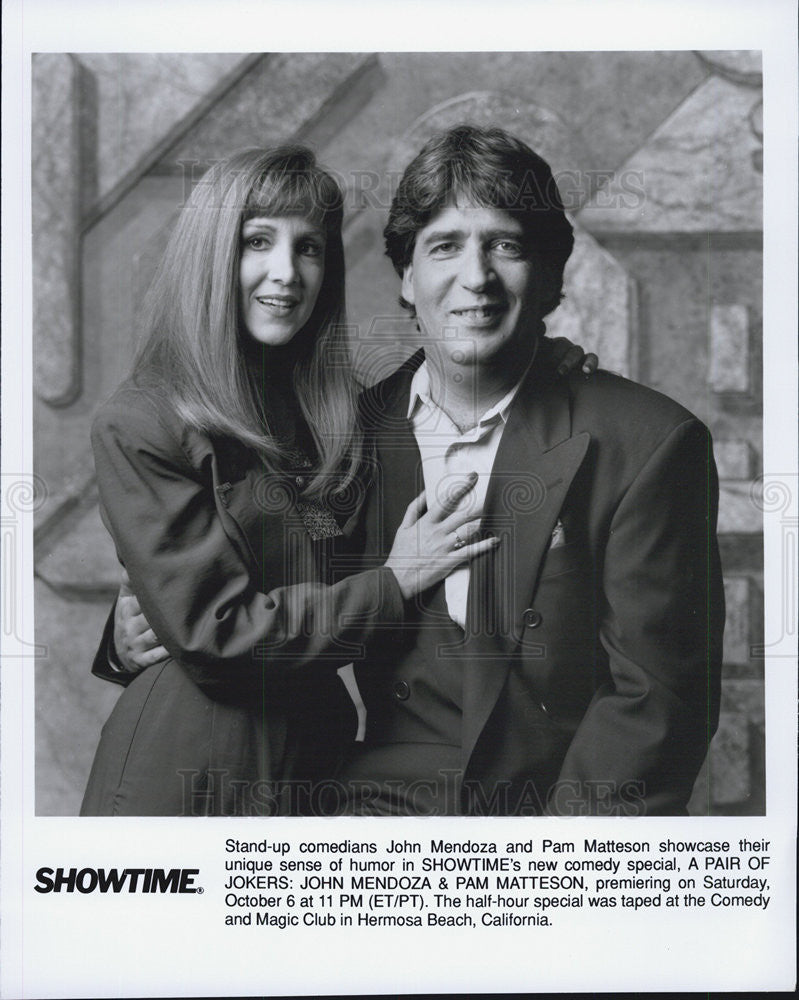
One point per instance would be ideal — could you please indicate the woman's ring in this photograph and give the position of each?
(459, 542)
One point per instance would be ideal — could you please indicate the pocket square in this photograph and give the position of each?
(558, 535)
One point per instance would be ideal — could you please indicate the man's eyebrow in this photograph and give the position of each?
(441, 235)
(513, 233)
(445, 235)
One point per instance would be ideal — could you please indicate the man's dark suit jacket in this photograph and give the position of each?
(591, 669)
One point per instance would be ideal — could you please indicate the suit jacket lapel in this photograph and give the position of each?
(399, 474)
(535, 465)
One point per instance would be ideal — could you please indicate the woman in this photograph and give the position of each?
(229, 466)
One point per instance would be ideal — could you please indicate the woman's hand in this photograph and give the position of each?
(429, 544)
(137, 646)
(568, 356)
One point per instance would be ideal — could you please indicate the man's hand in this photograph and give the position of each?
(569, 356)
(137, 646)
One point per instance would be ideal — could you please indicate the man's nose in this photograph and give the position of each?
(475, 266)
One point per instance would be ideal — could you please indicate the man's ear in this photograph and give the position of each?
(407, 285)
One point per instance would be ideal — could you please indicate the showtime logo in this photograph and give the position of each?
(117, 880)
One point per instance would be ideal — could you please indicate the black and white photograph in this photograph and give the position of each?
(408, 479)
(546, 638)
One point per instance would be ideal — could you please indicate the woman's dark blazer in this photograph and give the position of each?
(221, 557)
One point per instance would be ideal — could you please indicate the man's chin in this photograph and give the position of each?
(480, 352)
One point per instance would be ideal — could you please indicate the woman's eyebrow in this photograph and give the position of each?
(257, 223)
(265, 223)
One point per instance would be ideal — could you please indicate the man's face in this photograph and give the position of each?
(476, 286)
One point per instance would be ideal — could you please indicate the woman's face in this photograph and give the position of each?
(280, 275)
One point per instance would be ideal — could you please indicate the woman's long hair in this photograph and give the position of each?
(193, 337)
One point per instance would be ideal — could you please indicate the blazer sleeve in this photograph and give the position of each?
(196, 587)
(645, 734)
(105, 659)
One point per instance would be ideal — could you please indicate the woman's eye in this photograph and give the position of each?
(310, 248)
(255, 243)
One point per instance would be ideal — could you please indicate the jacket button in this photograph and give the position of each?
(299, 480)
(402, 691)
(532, 618)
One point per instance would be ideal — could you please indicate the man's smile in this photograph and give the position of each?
(480, 315)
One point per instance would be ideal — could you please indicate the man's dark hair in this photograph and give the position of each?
(491, 168)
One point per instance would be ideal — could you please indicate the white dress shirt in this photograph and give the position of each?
(448, 456)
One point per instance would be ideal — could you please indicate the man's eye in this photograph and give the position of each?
(511, 248)
(444, 248)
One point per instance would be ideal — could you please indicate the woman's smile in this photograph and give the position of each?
(278, 305)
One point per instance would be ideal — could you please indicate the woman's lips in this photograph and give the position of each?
(278, 305)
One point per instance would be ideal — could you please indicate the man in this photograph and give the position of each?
(575, 668)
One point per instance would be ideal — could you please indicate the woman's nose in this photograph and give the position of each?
(283, 264)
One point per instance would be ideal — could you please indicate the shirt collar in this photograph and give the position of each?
(420, 396)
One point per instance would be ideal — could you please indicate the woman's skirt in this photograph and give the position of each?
(169, 750)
